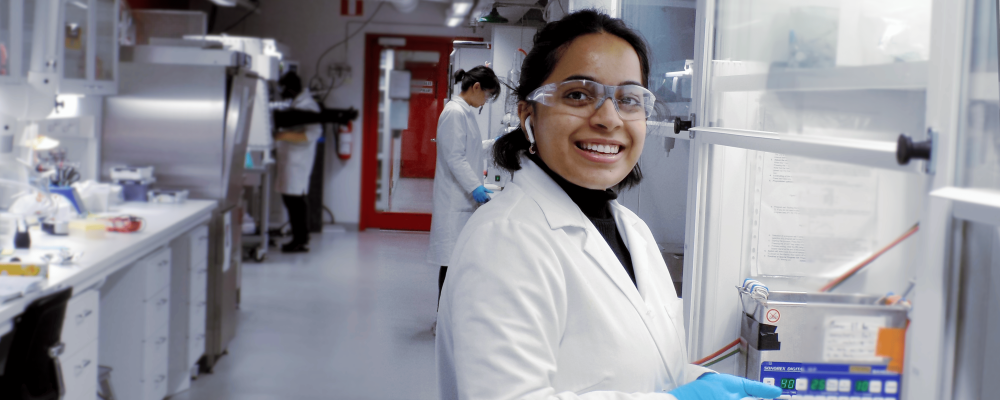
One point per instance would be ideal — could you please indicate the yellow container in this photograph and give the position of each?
(88, 229)
(23, 269)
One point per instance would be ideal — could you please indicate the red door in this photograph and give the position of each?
(419, 153)
(405, 89)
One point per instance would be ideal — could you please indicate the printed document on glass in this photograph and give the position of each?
(811, 218)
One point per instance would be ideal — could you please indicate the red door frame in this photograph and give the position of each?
(370, 218)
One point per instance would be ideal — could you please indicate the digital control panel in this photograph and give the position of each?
(801, 381)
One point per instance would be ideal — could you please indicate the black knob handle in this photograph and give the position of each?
(680, 125)
(907, 149)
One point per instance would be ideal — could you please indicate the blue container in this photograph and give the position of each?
(69, 193)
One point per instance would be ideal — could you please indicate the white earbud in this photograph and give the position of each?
(531, 135)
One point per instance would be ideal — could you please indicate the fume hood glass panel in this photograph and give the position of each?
(979, 148)
(408, 114)
(798, 223)
(838, 68)
(977, 352)
(104, 62)
(669, 29)
(75, 32)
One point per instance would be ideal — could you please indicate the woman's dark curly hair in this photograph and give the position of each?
(550, 45)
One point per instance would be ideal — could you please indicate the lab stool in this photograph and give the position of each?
(29, 355)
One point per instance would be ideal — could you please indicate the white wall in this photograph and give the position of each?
(309, 27)
(608, 6)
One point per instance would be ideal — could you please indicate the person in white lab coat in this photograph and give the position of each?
(555, 290)
(458, 173)
(296, 151)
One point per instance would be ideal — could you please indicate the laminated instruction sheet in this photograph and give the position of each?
(811, 217)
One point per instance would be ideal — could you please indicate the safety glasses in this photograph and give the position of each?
(582, 98)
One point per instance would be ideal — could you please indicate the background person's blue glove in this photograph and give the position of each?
(728, 387)
(480, 194)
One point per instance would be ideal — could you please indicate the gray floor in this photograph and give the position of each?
(349, 320)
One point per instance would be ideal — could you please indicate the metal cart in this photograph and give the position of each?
(257, 184)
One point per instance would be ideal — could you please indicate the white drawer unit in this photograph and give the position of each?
(81, 325)
(198, 318)
(199, 246)
(80, 373)
(196, 347)
(199, 284)
(154, 384)
(135, 327)
(154, 351)
(157, 270)
(158, 310)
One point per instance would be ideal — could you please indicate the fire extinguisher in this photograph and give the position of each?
(345, 140)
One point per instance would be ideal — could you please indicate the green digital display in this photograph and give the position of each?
(787, 383)
(861, 386)
(818, 385)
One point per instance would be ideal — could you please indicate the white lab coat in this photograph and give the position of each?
(295, 160)
(537, 306)
(459, 171)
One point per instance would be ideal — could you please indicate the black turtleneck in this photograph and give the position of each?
(595, 204)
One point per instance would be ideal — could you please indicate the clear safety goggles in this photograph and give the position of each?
(582, 98)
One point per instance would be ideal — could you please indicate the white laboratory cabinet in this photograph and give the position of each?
(89, 47)
(29, 59)
(79, 336)
(794, 179)
(188, 308)
(134, 326)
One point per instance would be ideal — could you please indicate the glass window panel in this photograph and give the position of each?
(977, 356)
(669, 30)
(107, 17)
(5, 37)
(408, 113)
(27, 35)
(979, 151)
(842, 68)
(797, 223)
(75, 34)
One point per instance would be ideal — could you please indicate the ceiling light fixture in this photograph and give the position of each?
(454, 21)
(493, 17)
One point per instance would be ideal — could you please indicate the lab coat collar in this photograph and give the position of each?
(560, 212)
(465, 106)
(559, 209)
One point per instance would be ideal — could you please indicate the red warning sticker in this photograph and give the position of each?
(773, 315)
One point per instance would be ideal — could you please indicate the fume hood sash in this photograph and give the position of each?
(870, 153)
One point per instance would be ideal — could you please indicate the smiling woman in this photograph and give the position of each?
(556, 290)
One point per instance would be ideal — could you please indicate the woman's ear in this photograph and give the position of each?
(523, 111)
(477, 86)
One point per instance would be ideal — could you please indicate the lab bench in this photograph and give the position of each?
(139, 302)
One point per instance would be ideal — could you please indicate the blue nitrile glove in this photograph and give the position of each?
(728, 387)
(480, 194)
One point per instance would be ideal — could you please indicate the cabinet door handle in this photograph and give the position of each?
(160, 378)
(161, 340)
(162, 301)
(79, 368)
(164, 263)
(82, 316)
